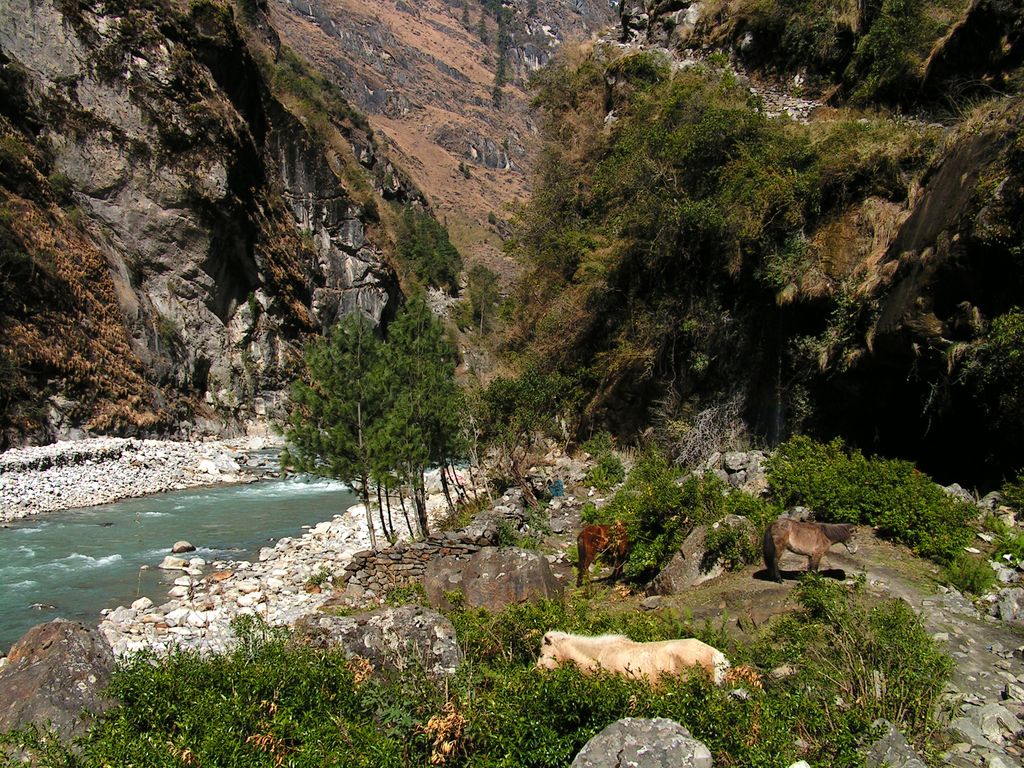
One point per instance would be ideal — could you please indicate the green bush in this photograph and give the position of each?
(841, 485)
(1013, 492)
(608, 470)
(653, 506)
(732, 546)
(426, 251)
(970, 574)
(273, 702)
(408, 594)
(660, 508)
(858, 659)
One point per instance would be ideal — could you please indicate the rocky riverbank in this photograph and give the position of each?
(85, 473)
(293, 578)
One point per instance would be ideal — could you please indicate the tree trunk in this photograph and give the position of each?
(391, 520)
(388, 534)
(365, 493)
(408, 523)
(460, 489)
(420, 496)
(447, 493)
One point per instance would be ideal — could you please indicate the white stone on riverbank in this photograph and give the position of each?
(85, 473)
(199, 612)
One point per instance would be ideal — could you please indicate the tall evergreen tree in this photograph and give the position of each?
(337, 409)
(425, 417)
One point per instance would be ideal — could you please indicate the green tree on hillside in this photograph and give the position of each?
(426, 408)
(516, 411)
(483, 295)
(427, 252)
(336, 409)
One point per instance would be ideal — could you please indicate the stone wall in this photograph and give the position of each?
(383, 569)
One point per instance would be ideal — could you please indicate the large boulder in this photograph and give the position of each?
(1009, 605)
(892, 750)
(693, 564)
(56, 675)
(493, 578)
(391, 639)
(643, 743)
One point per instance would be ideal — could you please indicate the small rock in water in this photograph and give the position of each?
(171, 563)
(180, 547)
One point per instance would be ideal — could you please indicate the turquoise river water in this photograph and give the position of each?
(74, 563)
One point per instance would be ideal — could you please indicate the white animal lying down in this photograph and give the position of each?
(617, 653)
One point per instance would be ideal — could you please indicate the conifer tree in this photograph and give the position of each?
(425, 418)
(336, 410)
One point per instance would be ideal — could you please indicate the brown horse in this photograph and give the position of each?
(597, 540)
(811, 539)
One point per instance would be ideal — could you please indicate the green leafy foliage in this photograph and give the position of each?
(656, 245)
(867, 659)
(843, 485)
(607, 470)
(275, 702)
(999, 366)
(480, 309)
(514, 411)
(1013, 492)
(410, 594)
(876, 50)
(334, 410)
(802, 34)
(660, 507)
(376, 413)
(732, 546)
(426, 251)
(887, 64)
(969, 574)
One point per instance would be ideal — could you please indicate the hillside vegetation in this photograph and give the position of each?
(272, 703)
(684, 252)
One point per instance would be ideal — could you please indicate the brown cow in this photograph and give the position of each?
(597, 540)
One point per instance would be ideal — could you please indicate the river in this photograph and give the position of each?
(73, 564)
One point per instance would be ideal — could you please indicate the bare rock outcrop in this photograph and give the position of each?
(55, 676)
(391, 639)
(218, 227)
(493, 578)
(644, 743)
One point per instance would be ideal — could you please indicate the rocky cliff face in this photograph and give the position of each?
(887, 311)
(444, 81)
(177, 214)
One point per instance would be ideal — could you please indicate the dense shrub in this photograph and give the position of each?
(275, 703)
(732, 546)
(658, 247)
(1013, 492)
(969, 574)
(426, 251)
(858, 659)
(660, 508)
(607, 470)
(843, 485)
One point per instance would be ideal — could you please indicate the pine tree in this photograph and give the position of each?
(334, 413)
(426, 417)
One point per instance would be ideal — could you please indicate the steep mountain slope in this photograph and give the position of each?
(444, 82)
(694, 261)
(178, 209)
